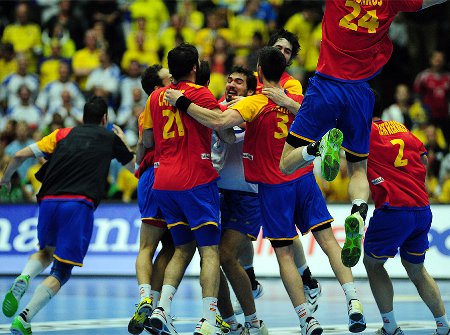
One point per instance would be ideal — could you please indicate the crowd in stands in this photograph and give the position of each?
(54, 54)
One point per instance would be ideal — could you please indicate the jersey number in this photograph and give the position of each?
(368, 21)
(399, 161)
(282, 126)
(172, 116)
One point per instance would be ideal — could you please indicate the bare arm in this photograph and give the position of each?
(278, 96)
(429, 3)
(18, 159)
(147, 138)
(140, 150)
(292, 159)
(118, 131)
(227, 135)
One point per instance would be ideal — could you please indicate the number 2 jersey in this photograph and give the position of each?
(355, 42)
(394, 168)
(182, 145)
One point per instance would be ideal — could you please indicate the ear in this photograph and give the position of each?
(250, 92)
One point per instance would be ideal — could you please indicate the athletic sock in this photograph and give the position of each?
(442, 326)
(306, 277)
(232, 322)
(155, 295)
(167, 293)
(253, 320)
(350, 291)
(41, 297)
(389, 323)
(210, 309)
(303, 313)
(32, 268)
(144, 291)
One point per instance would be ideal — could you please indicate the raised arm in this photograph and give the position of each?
(278, 96)
(18, 159)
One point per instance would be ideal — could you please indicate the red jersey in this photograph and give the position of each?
(183, 146)
(289, 83)
(267, 128)
(147, 160)
(394, 168)
(355, 41)
(435, 91)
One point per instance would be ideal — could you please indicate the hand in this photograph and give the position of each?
(235, 100)
(119, 132)
(7, 184)
(172, 96)
(276, 94)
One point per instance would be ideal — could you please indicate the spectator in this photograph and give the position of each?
(84, 61)
(399, 111)
(143, 56)
(8, 133)
(8, 61)
(105, 77)
(49, 66)
(60, 36)
(50, 96)
(188, 9)
(10, 86)
(127, 114)
(204, 39)
(129, 82)
(444, 180)
(71, 114)
(156, 18)
(151, 43)
(25, 110)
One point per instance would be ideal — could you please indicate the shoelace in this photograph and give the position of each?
(19, 288)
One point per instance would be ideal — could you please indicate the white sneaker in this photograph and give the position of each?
(203, 327)
(312, 295)
(356, 321)
(312, 327)
(382, 331)
(252, 330)
(257, 293)
(240, 330)
(161, 323)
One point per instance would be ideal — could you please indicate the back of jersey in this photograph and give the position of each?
(395, 170)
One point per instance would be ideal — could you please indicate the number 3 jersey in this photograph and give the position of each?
(267, 128)
(395, 170)
(182, 145)
(355, 42)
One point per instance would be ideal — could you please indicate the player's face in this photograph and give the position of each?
(285, 47)
(165, 76)
(236, 85)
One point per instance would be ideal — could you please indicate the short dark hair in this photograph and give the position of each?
(203, 73)
(181, 60)
(150, 78)
(290, 37)
(272, 62)
(251, 78)
(377, 106)
(94, 110)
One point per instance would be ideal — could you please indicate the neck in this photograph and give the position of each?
(268, 83)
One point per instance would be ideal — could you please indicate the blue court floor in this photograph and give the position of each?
(103, 305)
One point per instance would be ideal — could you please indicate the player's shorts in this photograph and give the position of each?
(240, 211)
(334, 104)
(148, 206)
(66, 225)
(192, 214)
(391, 229)
(296, 203)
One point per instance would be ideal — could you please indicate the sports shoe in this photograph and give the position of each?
(312, 327)
(435, 333)
(203, 327)
(329, 148)
(13, 296)
(312, 294)
(382, 331)
(354, 230)
(222, 325)
(257, 293)
(240, 330)
(140, 317)
(252, 330)
(160, 323)
(20, 327)
(356, 321)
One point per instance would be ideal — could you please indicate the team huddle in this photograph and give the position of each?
(213, 173)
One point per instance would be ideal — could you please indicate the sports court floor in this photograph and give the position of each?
(103, 305)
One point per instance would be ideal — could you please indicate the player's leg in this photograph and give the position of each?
(246, 255)
(226, 308)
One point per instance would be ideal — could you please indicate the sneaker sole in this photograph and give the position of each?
(157, 327)
(135, 326)
(330, 158)
(10, 305)
(359, 324)
(351, 251)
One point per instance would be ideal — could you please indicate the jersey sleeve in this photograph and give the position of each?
(293, 86)
(251, 106)
(405, 5)
(47, 144)
(147, 122)
(203, 97)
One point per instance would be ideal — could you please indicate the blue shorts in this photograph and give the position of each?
(187, 212)
(297, 203)
(240, 211)
(66, 225)
(390, 229)
(148, 206)
(333, 104)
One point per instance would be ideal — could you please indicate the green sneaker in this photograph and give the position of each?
(20, 327)
(354, 230)
(329, 148)
(140, 318)
(13, 296)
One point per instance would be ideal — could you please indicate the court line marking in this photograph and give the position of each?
(52, 326)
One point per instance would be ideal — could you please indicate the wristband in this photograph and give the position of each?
(307, 157)
(183, 103)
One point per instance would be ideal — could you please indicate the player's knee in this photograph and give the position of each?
(280, 243)
(226, 255)
(61, 271)
(372, 264)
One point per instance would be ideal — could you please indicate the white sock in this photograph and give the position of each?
(40, 298)
(442, 325)
(154, 295)
(167, 293)
(303, 313)
(210, 309)
(389, 323)
(32, 268)
(350, 291)
(232, 321)
(302, 269)
(307, 157)
(144, 291)
(253, 320)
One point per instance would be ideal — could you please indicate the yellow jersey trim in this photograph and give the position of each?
(301, 137)
(354, 153)
(417, 253)
(282, 238)
(67, 261)
(204, 224)
(318, 225)
(378, 257)
(171, 225)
